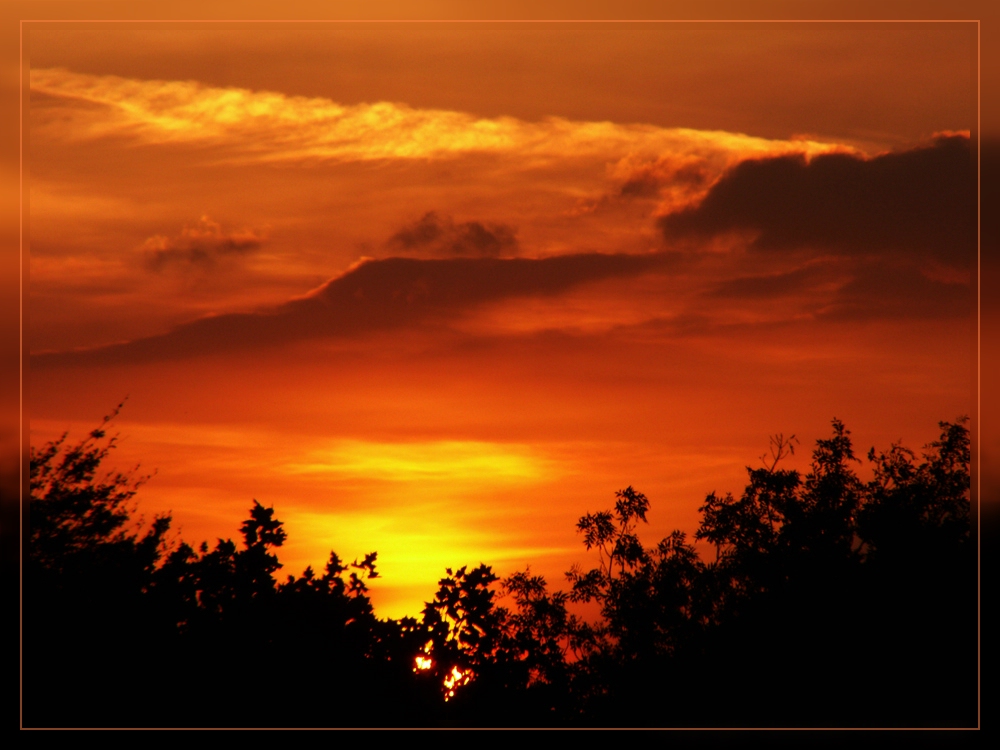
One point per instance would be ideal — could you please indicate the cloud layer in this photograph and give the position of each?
(374, 295)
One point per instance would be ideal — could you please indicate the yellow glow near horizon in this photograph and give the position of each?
(457, 460)
(416, 538)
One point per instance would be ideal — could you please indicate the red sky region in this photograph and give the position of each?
(439, 291)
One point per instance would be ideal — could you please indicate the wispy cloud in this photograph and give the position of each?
(270, 126)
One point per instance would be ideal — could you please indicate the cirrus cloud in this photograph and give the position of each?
(265, 126)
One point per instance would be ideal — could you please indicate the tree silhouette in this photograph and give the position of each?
(814, 578)
(87, 569)
(540, 632)
(120, 627)
(77, 518)
(824, 600)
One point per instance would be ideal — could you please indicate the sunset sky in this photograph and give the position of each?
(437, 290)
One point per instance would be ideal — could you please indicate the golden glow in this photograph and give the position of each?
(459, 461)
(456, 679)
(418, 532)
(423, 662)
(269, 126)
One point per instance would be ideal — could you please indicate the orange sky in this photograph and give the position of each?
(439, 290)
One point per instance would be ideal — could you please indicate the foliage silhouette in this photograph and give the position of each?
(824, 600)
(87, 572)
(830, 601)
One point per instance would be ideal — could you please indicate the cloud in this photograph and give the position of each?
(373, 295)
(919, 202)
(851, 288)
(437, 235)
(673, 180)
(769, 286)
(886, 289)
(646, 178)
(201, 245)
(265, 126)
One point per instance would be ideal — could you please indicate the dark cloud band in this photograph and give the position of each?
(918, 202)
(375, 295)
